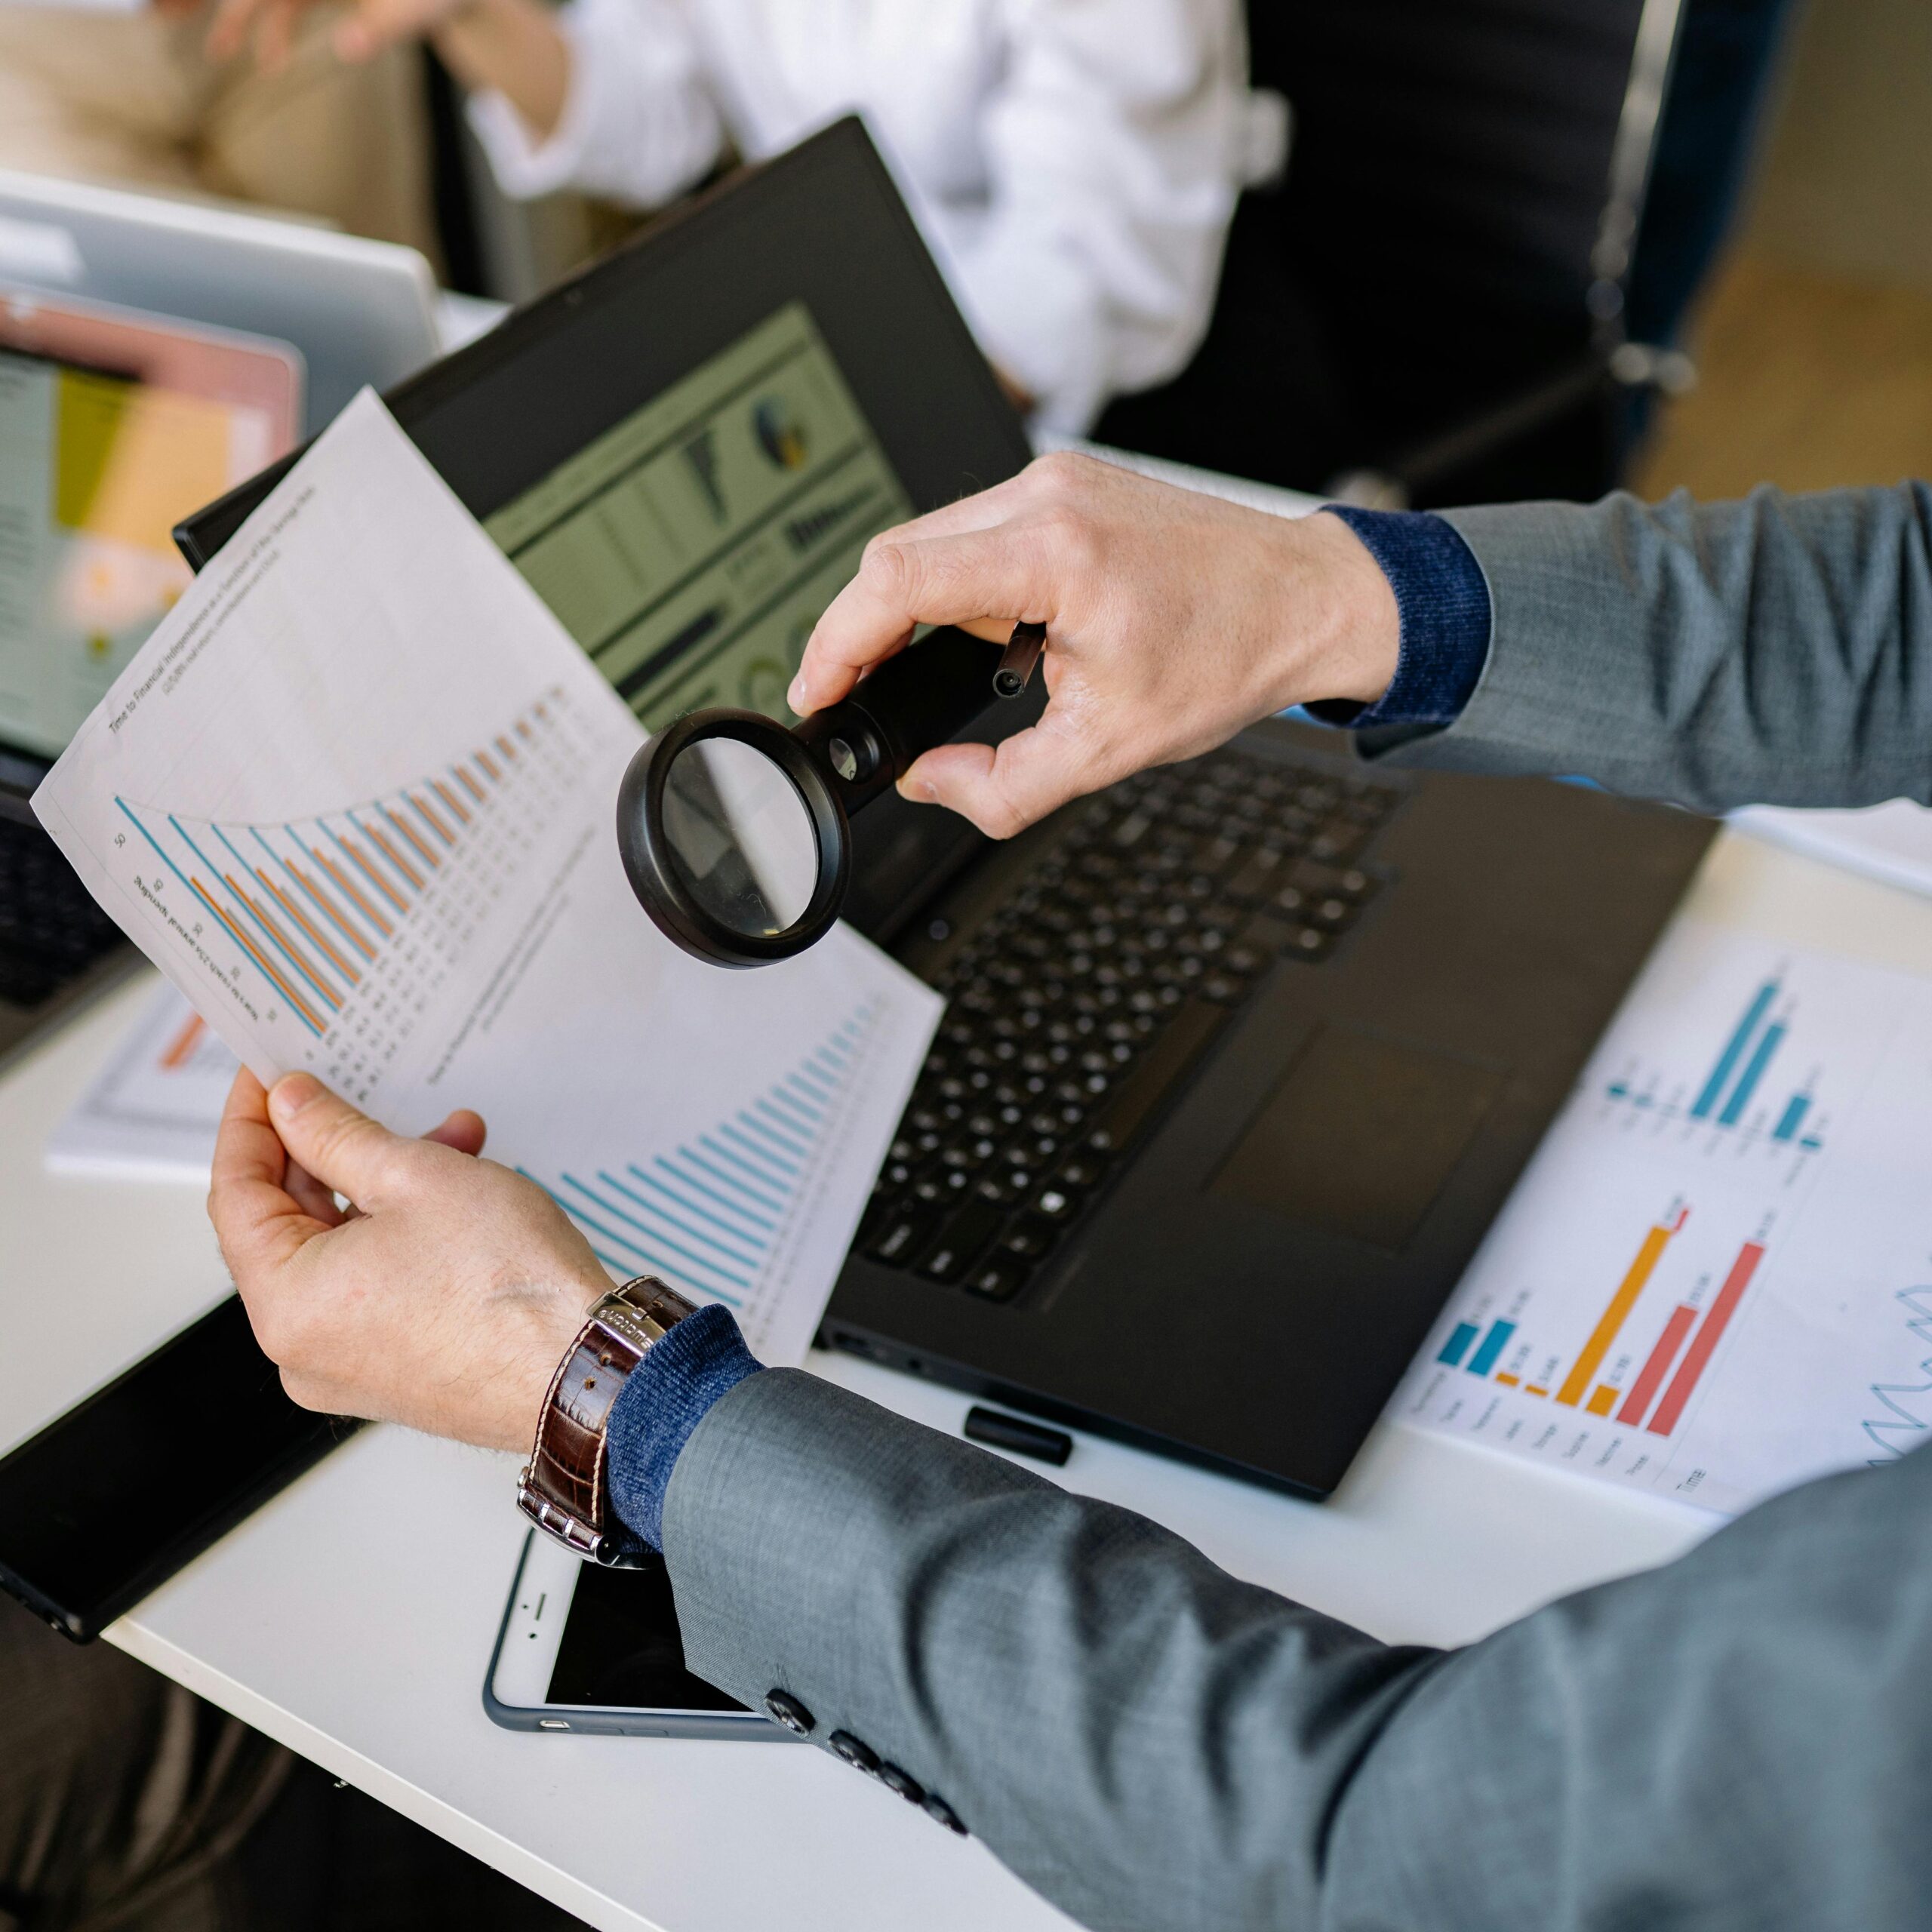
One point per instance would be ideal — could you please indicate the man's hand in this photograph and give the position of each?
(443, 1298)
(1173, 620)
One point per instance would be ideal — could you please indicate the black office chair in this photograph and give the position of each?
(1432, 308)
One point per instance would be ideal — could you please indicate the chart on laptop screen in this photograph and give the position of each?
(690, 550)
(1715, 1279)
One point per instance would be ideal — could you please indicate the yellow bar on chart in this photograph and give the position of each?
(1621, 1303)
(1603, 1401)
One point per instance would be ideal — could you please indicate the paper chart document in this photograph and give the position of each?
(355, 797)
(1715, 1280)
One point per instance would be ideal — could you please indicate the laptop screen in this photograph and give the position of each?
(100, 453)
(690, 549)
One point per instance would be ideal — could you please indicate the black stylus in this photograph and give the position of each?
(1014, 671)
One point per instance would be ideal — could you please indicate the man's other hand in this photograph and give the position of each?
(1173, 620)
(443, 1297)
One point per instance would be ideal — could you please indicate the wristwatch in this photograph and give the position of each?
(562, 1488)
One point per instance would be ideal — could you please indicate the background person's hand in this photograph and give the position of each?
(443, 1299)
(362, 32)
(1173, 620)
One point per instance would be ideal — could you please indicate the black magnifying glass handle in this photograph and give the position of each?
(928, 694)
(1018, 661)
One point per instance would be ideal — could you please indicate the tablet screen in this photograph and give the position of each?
(112, 427)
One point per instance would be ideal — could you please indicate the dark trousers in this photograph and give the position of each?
(123, 1799)
(128, 1805)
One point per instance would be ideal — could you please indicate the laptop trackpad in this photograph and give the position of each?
(1359, 1136)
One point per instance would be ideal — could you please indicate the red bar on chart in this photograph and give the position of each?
(1704, 1343)
(1656, 1364)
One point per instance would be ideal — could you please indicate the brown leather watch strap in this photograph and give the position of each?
(562, 1488)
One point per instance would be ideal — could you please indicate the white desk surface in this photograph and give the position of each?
(353, 1616)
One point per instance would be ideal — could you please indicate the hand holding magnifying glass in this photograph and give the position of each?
(735, 832)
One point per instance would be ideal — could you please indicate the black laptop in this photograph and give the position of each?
(1240, 1057)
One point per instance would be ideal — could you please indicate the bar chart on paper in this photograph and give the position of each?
(1682, 1294)
(717, 1214)
(1755, 1096)
(339, 928)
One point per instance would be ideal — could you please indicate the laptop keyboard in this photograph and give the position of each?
(50, 928)
(1087, 999)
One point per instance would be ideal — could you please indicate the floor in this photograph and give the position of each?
(1806, 381)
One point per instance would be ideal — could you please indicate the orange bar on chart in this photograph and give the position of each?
(1508, 1381)
(255, 953)
(1704, 1343)
(1534, 1388)
(341, 920)
(182, 1047)
(475, 790)
(451, 803)
(395, 857)
(1621, 1303)
(302, 919)
(1601, 1403)
(304, 964)
(348, 885)
(430, 818)
(408, 831)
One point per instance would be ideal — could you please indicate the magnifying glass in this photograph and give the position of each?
(736, 833)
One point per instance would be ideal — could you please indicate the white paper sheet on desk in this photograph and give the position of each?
(1715, 1280)
(1892, 842)
(152, 1113)
(354, 797)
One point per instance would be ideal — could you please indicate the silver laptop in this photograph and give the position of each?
(358, 311)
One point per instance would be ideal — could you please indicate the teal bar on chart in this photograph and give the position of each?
(1740, 1096)
(1457, 1346)
(1483, 1360)
(1733, 1050)
(1792, 1119)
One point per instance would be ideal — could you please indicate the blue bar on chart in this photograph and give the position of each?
(1734, 1051)
(1740, 1097)
(1457, 1346)
(1483, 1360)
(1792, 1119)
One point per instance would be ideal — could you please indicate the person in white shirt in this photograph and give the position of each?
(1073, 164)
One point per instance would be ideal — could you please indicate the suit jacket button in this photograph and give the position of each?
(907, 1786)
(859, 1755)
(937, 1809)
(782, 1708)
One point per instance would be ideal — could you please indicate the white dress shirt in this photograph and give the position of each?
(1073, 164)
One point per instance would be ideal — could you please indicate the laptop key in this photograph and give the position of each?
(1058, 1205)
(999, 1280)
(899, 1240)
(960, 1242)
(1029, 1237)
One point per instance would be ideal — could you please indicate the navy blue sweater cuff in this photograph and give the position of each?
(669, 1394)
(1444, 604)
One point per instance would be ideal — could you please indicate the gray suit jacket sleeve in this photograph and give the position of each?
(1736, 1741)
(1776, 651)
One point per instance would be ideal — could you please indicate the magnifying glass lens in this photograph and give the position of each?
(739, 835)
